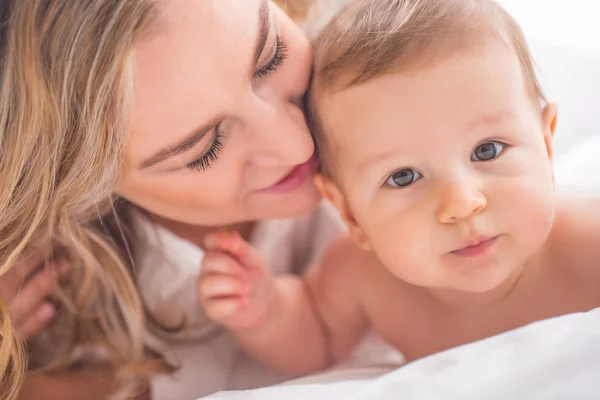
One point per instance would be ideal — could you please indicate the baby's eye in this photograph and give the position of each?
(487, 151)
(403, 178)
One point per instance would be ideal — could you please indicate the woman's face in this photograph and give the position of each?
(218, 134)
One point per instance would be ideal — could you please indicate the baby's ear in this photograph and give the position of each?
(335, 196)
(549, 118)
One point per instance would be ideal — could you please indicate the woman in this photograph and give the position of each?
(130, 130)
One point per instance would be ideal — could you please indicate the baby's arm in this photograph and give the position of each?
(298, 325)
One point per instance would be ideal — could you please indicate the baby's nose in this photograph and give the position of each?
(460, 202)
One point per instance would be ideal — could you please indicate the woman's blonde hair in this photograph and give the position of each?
(63, 92)
(63, 101)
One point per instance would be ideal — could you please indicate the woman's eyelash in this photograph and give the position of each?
(204, 162)
(280, 55)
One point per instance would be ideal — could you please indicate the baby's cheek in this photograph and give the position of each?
(528, 212)
(401, 253)
(397, 233)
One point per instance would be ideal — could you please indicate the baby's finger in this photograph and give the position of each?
(36, 321)
(218, 285)
(234, 244)
(222, 263)
(223, 308)
(32, 294)
(31, 259)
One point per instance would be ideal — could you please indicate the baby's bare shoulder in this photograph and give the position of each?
(337, 278)
(575, 238)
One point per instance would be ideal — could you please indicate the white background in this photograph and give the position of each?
(564, 36)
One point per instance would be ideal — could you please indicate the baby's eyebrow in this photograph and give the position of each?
(377, 158)
(479, 121)
(495, 118)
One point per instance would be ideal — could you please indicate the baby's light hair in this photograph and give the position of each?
(368, 38)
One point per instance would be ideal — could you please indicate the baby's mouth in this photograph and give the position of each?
(476, 246)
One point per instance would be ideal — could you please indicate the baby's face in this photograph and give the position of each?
(445, 172)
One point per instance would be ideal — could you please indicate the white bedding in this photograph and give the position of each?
(553, 359)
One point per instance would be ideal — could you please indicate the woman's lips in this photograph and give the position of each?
(295, 178)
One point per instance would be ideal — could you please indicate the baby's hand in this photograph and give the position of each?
(235, 286)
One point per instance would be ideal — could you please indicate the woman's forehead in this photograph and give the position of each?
(221, 21)
(189, 68)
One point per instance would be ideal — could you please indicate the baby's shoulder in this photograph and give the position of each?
(575, 238)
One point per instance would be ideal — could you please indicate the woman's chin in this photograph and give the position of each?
(288, 205)
(257, 207)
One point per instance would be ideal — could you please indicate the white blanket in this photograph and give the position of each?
(553, 359)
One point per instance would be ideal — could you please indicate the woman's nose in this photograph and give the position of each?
(281, 136)
(460, 201)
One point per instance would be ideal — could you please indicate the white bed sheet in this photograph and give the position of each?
(552, 359)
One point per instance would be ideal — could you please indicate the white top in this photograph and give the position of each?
(209, 358)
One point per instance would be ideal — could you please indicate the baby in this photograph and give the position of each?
(436, 145)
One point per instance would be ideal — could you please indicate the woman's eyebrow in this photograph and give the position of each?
(186, 144)
(264, 26)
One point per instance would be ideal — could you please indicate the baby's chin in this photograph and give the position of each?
(486, 283)
(465, 286)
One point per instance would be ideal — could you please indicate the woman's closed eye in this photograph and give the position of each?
(210, 156)
(278, 58)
